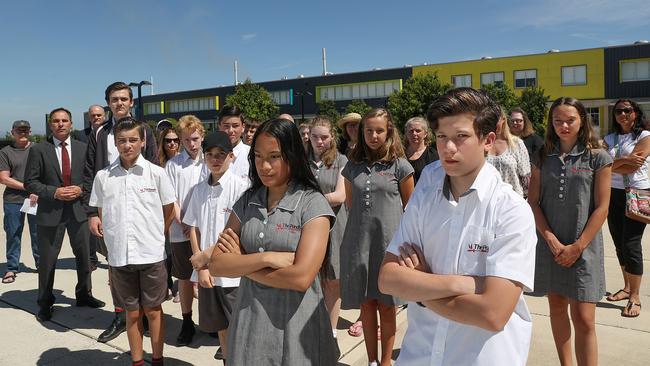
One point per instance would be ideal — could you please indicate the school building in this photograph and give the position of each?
(597, 76)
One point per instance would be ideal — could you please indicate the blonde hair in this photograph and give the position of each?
(392, 148)
(328, 156)
(505, 133)
(425, 125)
(190, 123)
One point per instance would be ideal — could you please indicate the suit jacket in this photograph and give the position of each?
(82, 135)
(97, 157)
(43, 177)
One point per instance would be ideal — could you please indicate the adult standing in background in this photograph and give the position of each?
(54, 172)
(522, 127)
(349, 125)
(508, 155)
(629, 146)
(13, 159)
(101, 152)
(97, 118)
(417, 145)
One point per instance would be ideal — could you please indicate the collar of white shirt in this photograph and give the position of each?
(140, 161)
(185, 156)
(58, 142)
(223, 180)
(483, 185)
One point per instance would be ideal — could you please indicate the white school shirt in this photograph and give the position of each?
(240, 166)
(184, 173)
(111, 149)
(57, 149)
(209, 209)
(490, 231)
(132, 214)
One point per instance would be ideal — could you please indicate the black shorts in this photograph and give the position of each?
(181, 265)
(215, 307)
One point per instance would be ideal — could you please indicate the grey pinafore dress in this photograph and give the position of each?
(327, 178)
(372, 220)
(567, 200)
(273, 326)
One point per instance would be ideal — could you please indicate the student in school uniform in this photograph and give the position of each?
(464, 251)
(207, 213)
(231, 121)
(378, 185)
(185, 171)
(276, 240)
(134, 234)
(569, 194)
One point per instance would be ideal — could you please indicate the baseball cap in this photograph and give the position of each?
(21, 123)
(217, 139)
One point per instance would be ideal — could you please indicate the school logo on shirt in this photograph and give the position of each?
(478, 248)
(288, 227)
(578, 169)
(226, 210)
(388, 175)
(148, 190)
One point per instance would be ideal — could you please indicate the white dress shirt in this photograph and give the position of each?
(111, 148)
(490, 231)
(57, 149)
(240, 166)
(209, 209)
(132, 214)
(185, 173)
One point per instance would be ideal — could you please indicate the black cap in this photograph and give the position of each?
(21, 123)
(162, 124)
(217, 139)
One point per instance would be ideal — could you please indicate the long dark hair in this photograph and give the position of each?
(292, 150)
(638, 122)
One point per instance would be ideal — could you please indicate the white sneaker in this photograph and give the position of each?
(373, 363)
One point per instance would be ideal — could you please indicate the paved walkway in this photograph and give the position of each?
(70, 338)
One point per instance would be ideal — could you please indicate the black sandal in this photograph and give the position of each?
(612, 296)
(628, 307)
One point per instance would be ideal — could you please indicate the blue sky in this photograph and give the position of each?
(64, 53)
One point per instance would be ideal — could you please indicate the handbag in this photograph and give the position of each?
(637, 201)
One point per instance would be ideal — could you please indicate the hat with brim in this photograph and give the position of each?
(21, 124)
(218, 139)
(162, 124)
(350, 117)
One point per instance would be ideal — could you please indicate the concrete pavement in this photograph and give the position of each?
(70, 338)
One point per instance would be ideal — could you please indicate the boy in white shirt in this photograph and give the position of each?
(465, 249)
(136, 202)
(207, 214)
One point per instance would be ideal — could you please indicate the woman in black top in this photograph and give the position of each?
(417, 138)
(522, 127)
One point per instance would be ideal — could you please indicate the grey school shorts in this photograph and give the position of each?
(136, 285)
(215, 307)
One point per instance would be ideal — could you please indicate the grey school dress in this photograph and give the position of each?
(567, 200)
(327, 178)
(273, 326)
(372, 220)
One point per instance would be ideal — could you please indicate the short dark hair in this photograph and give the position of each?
(293, 153)
(230, 111)
(118, 85)
(60, 109)
(638, 122)
(466, 100)
(128, 124)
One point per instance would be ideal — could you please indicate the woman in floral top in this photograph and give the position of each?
(510, 157)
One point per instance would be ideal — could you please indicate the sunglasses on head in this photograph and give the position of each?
(168, 140)
(626, 110)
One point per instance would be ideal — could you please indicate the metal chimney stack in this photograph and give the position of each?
(236, 78)
(324, 63)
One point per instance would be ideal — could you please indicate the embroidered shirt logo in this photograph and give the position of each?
(577, 169)
(226, 210)
(149, 190)
(478, 248)
(291, 228)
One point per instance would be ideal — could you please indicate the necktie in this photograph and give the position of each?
(65, 164)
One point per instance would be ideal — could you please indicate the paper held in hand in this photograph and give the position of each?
(28, 208)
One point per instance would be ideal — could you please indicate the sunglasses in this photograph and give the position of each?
(626, 110)
(169, 140)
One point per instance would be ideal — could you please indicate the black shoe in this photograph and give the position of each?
(116, 328)
(186, 334)
(91, 302)
(44, 314)
(218, 355)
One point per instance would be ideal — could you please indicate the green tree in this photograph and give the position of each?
(328, 108)
(533, 101)
(502, 94)
(254, 101)
(415, 97)
(358, 106)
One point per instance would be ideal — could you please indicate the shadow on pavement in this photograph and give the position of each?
(63, 356)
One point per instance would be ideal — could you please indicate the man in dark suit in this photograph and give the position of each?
(97, 117)
(54, 172)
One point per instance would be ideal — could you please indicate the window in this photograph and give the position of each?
(574, 75)
(282, 97)
(594, 114)
(373, 89)
(189, 105)
(491, 78)
(462, 80)
(635, 70)
(525, 78)
(152, 108)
